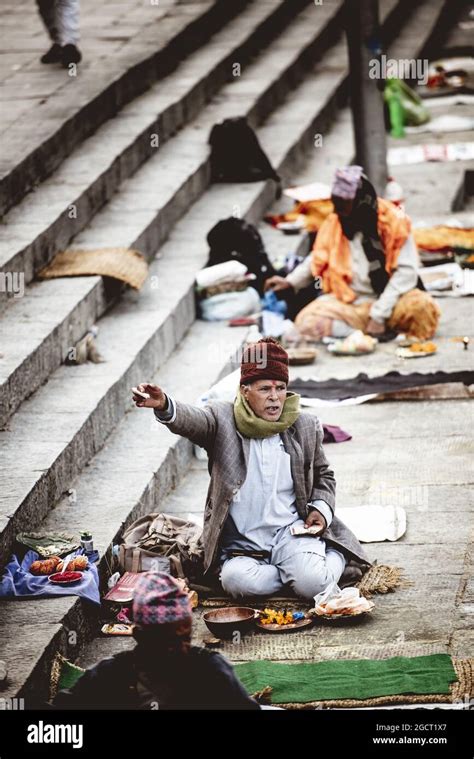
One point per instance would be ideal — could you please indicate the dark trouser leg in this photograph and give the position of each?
(47, 11)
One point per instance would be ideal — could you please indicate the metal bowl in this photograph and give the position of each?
(224, 622)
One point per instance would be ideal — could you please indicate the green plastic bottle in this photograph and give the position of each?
(395, 110)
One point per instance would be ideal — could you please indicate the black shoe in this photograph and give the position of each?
(54, 54)
(70, 54)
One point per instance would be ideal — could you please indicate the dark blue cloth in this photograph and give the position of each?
(17, 580)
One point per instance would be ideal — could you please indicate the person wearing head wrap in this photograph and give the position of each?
(163, 671)
(269, 478)
(365, 260)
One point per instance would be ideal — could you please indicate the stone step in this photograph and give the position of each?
(337, 150)
(129, 477)
(83, 404)
(431, 25)
(36, 342)
(84, 102)
(47, 219)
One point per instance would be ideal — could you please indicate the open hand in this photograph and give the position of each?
(157, 397)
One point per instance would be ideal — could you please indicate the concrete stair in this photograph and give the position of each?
(97, 93)
(162, 189)
(79, 431)
(83, 404)
(40, 341)
(64, 204)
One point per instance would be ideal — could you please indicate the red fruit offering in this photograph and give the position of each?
(65, 578)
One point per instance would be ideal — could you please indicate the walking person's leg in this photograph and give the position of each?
(245, 576)
(47, 11)
(67, 23)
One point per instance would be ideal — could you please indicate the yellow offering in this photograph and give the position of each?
(273, 617)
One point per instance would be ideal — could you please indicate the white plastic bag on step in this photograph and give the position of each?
(336, 602)
(230, 305)
(226, 272)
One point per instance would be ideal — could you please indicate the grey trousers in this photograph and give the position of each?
(307, 573)
(61, 19)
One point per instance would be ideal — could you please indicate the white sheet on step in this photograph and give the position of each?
(374, 524)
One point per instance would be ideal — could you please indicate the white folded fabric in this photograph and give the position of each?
(215, 275)
(374, 524)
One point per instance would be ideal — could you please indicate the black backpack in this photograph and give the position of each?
(236, 154)
(235, 239)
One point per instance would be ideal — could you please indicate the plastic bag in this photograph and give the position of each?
(225, 272)
(336, 602)
(405, 107)
(230, 305)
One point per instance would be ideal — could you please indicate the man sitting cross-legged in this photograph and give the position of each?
(269, 475)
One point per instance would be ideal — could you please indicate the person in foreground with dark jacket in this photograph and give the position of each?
(163, 671)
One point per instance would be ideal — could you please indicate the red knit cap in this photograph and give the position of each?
(266, 359)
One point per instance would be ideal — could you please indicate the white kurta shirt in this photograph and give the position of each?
(266, 501)
(264, 509)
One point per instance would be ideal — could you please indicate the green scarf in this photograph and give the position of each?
(251, 425)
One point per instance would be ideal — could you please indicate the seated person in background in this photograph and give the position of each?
(268, 474)
(163, 671)
(366, 259)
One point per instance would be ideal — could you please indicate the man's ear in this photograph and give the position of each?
(244, 389)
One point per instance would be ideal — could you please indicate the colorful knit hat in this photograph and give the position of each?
(158, 600)
(347, 182)
(265, 359)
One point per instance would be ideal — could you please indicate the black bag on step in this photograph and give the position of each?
(234, 238)
(236, 154)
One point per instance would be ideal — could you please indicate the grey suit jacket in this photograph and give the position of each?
(213, 428)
